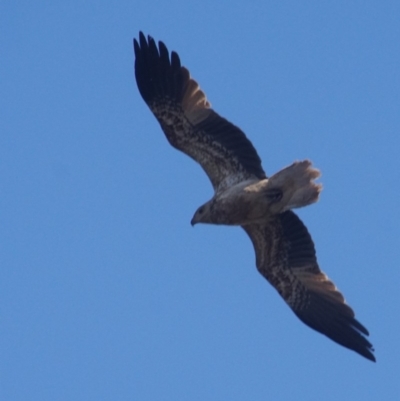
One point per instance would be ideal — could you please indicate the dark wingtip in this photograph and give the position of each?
(371, 356)
(142, 38)
(136, 47)
(157, 74)
(163, 51)
(365, 348)
(368, 353)
(175, 60)
(327, 319)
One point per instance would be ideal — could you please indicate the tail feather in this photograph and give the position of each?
(297, 185)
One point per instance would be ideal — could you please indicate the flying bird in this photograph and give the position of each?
(244, 195)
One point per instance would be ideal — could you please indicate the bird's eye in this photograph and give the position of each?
(201, 210)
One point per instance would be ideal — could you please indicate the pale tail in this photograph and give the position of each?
(296, 184)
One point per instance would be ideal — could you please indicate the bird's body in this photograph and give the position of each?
(257, 200)
(244, 196)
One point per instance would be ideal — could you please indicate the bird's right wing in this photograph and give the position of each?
(285, 256)
(187, 119)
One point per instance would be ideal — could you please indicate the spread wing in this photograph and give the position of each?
(187, 119)
(285, 256)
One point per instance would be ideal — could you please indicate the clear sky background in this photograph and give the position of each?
(106, 291)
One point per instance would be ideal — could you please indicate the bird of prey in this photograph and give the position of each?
(244, 196)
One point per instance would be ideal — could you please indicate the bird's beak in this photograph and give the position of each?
(193, 221)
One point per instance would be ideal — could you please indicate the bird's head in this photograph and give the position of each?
(202, 214)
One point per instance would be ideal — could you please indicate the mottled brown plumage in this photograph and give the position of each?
(244, 196)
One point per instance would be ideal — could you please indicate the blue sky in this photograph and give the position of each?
(107, 292)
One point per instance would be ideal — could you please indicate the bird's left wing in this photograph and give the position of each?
(187, 119)
(285, 256)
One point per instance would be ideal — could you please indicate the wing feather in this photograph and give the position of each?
(188, 121)
(285, 256)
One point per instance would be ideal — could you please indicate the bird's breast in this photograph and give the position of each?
(241, 204)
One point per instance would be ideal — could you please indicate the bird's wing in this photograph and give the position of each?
(187, 119)
(285, 256)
